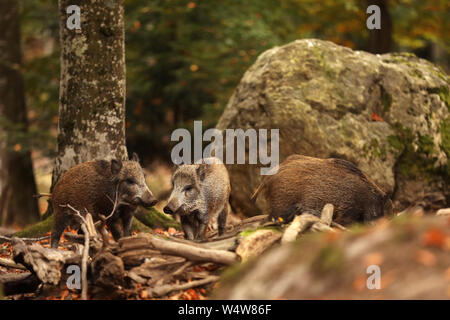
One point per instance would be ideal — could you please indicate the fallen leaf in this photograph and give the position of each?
(434, 238)
(425, 257)
(193, 294)
(376, 117)
(64, 294)
(447, 274)
(359, 283)
(144, 294)
(374, 258)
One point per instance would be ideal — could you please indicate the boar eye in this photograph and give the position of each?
(130, 181)
(188, 188)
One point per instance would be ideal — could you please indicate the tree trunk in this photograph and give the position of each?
(380, 40)
(92, 88)
(17, 184)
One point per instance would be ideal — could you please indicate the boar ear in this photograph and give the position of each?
(201, 171)
(135, 157)
(116, 166)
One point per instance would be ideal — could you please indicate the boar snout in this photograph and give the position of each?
(148, 200)
(173, 207)
(168, 209)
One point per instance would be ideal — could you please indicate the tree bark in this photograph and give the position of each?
(17, 184)
(380, 40)
(92, 86)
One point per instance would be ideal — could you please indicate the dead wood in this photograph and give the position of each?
(306, 221)
(190, 252)
(87, 225)
(46, 263)
(256, 243)
(165, 289)
(16, 283)
(11, 264)
(136, 257)
(299, 225)
(233, 230)
(10, 239)
(108, 271)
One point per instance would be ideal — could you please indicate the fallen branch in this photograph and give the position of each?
(46, 263)
(306, 221)
(299, 225)
(10, 239)
(190, 252)
(87, 234)
(18, 283)
(194, 253)
(113, 202)
(237, 228)
(7, 263)
(165, 289)
(327, 214)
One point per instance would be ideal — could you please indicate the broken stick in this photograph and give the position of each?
(165, 289)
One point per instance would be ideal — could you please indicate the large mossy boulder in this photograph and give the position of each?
(388, 114)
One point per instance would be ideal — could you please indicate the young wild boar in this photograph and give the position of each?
(306, 184)
(200, 196)
(93, 186)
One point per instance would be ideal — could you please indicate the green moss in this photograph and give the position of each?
(329, 258)
(374, 149)
(36, 230)
(235, 271)
(402, 137)
(416, 73)
(386, 101)
(249, 231)
(138, 226)
(107, 31)
(445, 144)
(445, 134)
(425, 144)
(155, 219)
(443, 93)
(416, 152)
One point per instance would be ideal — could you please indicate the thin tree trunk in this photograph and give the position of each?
(17, 184)
(380, 40)
(92, 86)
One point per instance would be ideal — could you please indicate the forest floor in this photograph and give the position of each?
(136, 291)
(153, 272)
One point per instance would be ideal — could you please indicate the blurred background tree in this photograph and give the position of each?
(184, 58)
(17, 183)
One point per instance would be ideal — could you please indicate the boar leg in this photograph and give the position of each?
(203, 220)
(187, 228)
(114, 227)
(59, 224)
(127, 217)
(222, 219)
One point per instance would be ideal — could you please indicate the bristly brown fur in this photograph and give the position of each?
(306, 184)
